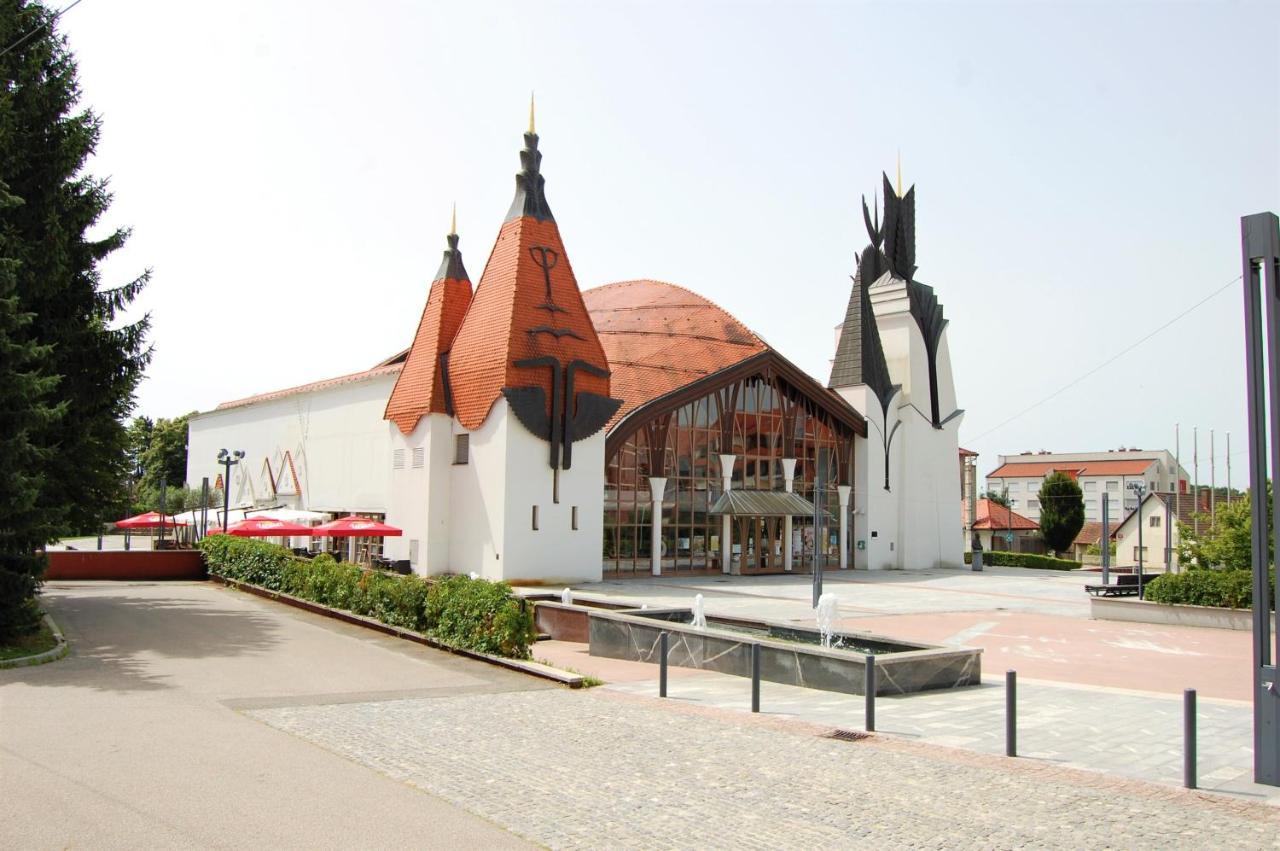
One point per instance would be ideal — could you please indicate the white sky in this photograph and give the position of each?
(288, 168)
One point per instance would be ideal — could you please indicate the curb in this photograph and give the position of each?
(61, 649)
(533, 669)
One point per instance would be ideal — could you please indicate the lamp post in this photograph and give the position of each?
(227, 460)
(1140, 489)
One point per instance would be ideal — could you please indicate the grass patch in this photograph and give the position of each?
(588, 681)
(37, 642)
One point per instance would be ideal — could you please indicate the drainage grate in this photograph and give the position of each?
(847, 735)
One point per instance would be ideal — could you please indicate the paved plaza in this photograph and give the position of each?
(190, 715)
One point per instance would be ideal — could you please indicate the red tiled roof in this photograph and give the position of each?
(502, 324)
(419, 390)
(992, 515)
(660, 337)
(1118, 467)
(968, 453)
(1090, 533)
(390, 369)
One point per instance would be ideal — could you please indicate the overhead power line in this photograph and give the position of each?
(1105, 363)
(24, 39)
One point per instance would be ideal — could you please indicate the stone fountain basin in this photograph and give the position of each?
(789, 654)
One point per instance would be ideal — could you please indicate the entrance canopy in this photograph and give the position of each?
(750, 503)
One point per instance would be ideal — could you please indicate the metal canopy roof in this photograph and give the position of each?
(751, 503)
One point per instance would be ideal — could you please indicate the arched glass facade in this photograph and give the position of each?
(760, 419)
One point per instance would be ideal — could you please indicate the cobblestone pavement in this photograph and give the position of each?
(606, 769)
(1130, 734)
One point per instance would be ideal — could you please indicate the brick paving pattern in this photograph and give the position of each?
(606, 769)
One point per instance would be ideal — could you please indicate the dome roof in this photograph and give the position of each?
(659, 337)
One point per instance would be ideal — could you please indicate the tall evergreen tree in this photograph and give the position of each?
(1061, 511)
(73, 334)
(23, 413)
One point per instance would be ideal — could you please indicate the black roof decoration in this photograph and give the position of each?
(531, 196)
(860, 355)
(451, 265)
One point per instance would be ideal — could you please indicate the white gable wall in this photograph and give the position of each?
(337, 438)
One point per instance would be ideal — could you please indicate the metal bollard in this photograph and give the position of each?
(869, 687)
(755, 678)
(1189, 738)
(663, 640)
(1011, 713)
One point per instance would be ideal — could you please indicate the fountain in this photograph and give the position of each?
(566, 597)
(827, 614)
(699, 616)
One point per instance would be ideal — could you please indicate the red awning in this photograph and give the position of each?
(358, 527)
(266, 527)
(150, 520)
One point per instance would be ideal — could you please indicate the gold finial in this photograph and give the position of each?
(453, 220)
(899, 172)
(532, 131)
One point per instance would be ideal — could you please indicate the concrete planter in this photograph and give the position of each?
(1143, 611)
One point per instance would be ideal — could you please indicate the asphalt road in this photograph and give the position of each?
(139, 738)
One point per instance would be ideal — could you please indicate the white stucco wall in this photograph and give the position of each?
(419, 500)
(875, 510)
(336, 436)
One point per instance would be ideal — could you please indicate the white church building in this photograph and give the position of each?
(538, 433)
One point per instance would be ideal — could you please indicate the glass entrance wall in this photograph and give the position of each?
(753, 413)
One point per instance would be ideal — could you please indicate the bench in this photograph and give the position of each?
(1126, 585)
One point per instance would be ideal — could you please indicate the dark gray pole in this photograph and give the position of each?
(1141, 551)
(1189, 738)
(755, 678)
(869, 689)
(1168, 536)
(1260, 243)
(226, 494)
(1105, 541)
(663, 641)
(1010, 713)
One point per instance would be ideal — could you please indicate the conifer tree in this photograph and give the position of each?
(83, 364)
(1061, 511)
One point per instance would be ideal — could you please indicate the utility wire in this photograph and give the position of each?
(1105, 363)
(23, 39)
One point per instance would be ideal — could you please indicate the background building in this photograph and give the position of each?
(1111, 472)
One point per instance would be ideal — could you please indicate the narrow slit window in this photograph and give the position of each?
(574, 520)
(461, 448)
(535, 518)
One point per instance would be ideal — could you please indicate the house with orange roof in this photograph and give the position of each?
(536, 432)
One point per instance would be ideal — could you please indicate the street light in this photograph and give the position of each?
(227, 460)
(1139, 488)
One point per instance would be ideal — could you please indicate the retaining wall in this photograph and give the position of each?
(124, 565)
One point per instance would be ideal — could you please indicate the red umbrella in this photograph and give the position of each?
(150, 520)
(266, 527)
(355, 527)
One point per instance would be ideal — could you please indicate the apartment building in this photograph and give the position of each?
(1111, 472)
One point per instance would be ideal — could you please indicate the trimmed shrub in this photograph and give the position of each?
(471, 613)
(1228, 589)
(480, 614)
(1000, 558)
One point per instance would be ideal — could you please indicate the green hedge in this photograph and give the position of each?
(472, 613)
(1228, 589)
(1002, 558)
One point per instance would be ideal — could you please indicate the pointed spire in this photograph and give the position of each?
(533, 131)
(451, 268)
(531, 199)
(453, 220)
(899, 172)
